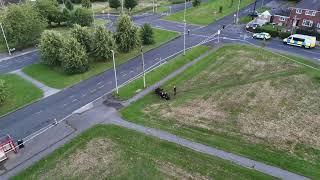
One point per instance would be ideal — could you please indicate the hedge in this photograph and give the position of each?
(273, 33)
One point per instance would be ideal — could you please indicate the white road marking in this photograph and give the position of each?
(38, 112)
(92, 91)
(99, 83)
(124, 74)
(64, 105)
(83, 95)
(74, 100)
(100, 87)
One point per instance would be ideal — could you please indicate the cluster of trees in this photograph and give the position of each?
(3, 91)
(196, 3)
(71, 53)
(128, 4)
(23, 23)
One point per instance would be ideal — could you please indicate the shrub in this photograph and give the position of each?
(284, 34)
(130, 4)
(23, 25)
(146, 34)
(69, 5)
(196, 3)
(86, 3)
(50, 47)
(103, 43)
(65, 16)
(3, 91)
(82, 16)
(114, 4)
(83, 36)
(127, 37)
(73, 57)
(48, 9)
(220, 9)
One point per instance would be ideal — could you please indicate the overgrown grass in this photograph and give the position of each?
(56, 78)
(156, 75)
(208, 12)
(227, 104)
(245, 19)
(106, 151)
(20, 91)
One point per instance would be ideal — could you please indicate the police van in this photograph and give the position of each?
(301, 40)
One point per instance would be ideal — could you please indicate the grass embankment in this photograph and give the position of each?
(20, 93)
(208, 12)
(108, 151)
(156, 75)
(247, 101)
(56, 78)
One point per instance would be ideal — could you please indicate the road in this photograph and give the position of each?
(31, 118)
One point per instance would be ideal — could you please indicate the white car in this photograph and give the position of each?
(262, 35)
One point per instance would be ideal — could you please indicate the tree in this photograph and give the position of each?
(114, 4)
(23, 25)
(83, 36)
(69, 5)
(65, 16)
(220, 9)
(146, 34)
(196, 3)
(48, 9)
(130, 4)
(86, 3)
(82, 16)
(73, 57)
(103, 43)
(50, 47)
(3, 91)
(127, 37)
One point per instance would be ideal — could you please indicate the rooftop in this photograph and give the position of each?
(309, 4)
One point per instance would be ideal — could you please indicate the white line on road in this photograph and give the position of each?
(74, 100)
(100, 87)
(99, 83)
(83, 95)
(92, 91)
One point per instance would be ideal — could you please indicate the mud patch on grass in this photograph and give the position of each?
(96, 160)
(174, 172)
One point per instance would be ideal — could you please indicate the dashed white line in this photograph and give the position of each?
(74, 100)
(99, 83)
(92, 91)
(100, 87)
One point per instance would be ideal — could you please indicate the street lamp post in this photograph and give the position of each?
(143, 69)
(122, 6)
(115, 71)
(184, 28)
(237, 20)
(5, 39)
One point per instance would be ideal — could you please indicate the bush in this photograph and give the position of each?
(65, 16)
(82, 16)
(49, 9)
(283, 35)
(130, 4)
(309, 32)
(83, 36)
(196, 3)
(86, 3)
(103, 43)
(23, 25)
(73, 57)
(127, 37)
(50, 47)
(146, 34)
(114, 4)
(69, 5)
(3, 91)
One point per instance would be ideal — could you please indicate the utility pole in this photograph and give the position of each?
(115, 71)
(5, 39)
(94, 20)
(184, 28)
(122, 6)
(143, 69)
(237, 20)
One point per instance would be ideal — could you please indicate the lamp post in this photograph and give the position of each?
(115, 71)
(184, 28)
(94, 20)
(5, 39)
(237, 20)
(143, 69)
(122, 7)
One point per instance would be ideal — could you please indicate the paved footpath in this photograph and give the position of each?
(46, 142)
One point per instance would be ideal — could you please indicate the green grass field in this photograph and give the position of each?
(20, 91)
(156, 75)
(247, 101)
(208, 12)
(57, 79)
(111, 152)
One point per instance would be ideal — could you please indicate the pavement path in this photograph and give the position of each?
(48, 91)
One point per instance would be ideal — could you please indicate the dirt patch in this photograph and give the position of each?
(174, 172)
(97, 159)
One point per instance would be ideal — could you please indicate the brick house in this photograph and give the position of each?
(305, 15)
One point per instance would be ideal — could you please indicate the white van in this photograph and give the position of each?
(301, 40)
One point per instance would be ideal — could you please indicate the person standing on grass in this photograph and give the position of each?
(174, 90)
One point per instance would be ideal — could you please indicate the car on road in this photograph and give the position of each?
(301, 40)
(252, 25)
(262, 35)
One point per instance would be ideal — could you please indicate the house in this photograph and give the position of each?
(264, 17)
(305, 15)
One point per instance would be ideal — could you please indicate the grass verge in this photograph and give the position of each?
(20, 91)
(111, 151)
(128, 91)
(208, 12)
(54, 77)
(247, 101)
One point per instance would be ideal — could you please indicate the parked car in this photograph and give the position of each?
(252, 25)
(301, 40)
(262, 35)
